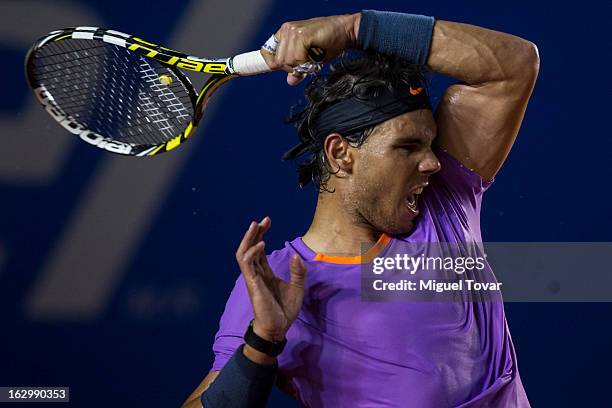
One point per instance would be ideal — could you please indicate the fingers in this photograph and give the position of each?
(292, 49)
(248, 262)
(295, 78)
(263, 268)
(246, 242)
(250, 255)
(298, 271)
(253, 235)
(281, 50)
(263, 227)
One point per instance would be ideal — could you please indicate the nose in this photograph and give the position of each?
(429, 164)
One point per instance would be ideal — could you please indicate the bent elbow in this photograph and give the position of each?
(530, 60)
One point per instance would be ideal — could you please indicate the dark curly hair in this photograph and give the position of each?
(363, 76)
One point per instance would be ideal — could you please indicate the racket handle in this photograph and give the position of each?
(249, 63)
(252, 63)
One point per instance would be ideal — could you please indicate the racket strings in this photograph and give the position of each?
(99, 121)
(114, 92)
(165, 95)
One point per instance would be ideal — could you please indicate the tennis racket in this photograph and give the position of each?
(126, 95)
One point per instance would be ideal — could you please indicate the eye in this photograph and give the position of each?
(409, 148)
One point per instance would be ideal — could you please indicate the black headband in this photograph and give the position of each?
(355, 114)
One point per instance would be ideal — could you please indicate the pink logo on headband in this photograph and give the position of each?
(415, 91)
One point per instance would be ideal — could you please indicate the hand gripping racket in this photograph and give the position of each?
(126, 95)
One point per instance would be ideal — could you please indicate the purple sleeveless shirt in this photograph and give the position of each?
(345, 352)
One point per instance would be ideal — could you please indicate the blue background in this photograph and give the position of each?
(554, 187)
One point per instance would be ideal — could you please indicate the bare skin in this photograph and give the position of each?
(477, 122)
(276, 302)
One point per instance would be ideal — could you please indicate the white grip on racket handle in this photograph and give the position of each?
(250, 63)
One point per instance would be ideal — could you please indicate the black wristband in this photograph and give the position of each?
(269, 348)
(241, 384)
(407, 36)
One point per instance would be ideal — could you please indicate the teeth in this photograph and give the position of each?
(412, 203)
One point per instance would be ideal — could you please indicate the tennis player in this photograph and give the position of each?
(390, 172)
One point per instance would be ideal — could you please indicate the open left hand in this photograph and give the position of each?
(276, 302)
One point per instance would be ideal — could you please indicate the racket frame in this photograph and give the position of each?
(221, 71)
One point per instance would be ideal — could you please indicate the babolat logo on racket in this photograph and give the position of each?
(74, 127)
(131, 93)
(159, 54)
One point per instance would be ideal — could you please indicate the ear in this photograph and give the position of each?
(338, 153)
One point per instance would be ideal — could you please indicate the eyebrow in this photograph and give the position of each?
(414, 139)
(410, 139)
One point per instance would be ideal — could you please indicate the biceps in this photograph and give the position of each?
(479, 124)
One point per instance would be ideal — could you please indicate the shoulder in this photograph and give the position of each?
(279, 258)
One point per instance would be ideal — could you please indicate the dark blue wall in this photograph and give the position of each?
(554, 187)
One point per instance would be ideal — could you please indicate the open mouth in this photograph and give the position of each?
(413, 199)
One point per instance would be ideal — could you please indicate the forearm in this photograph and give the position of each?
(477, 119)
(257, 357)
(471, 54)
(477, 55)
(242, 383)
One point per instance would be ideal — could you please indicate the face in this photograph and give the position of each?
(390, 170)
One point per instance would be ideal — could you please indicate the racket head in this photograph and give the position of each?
(118, 92)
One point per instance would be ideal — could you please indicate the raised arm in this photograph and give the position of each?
(479, 118)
